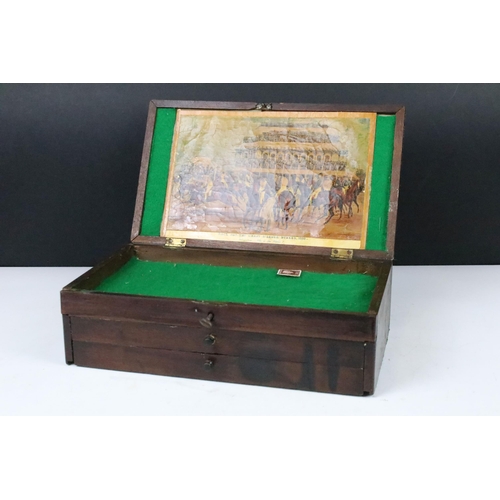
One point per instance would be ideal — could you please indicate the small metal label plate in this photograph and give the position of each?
(293, 273)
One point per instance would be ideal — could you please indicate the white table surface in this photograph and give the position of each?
(442, 357)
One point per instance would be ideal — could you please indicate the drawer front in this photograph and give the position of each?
(333, 378)
(234, 317)
(212, 340)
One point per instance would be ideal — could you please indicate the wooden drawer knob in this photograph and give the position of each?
(209, 340)
(207, 322)
(208, 365)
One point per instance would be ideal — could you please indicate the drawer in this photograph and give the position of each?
(333, 378)
(218, 341)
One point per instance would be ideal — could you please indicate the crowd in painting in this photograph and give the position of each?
(268, 199)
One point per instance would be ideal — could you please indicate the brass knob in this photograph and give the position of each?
(208, 365)
(209, 339)
(207, 322)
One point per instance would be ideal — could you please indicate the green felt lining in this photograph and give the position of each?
(379, 197)
(159, 163)
(259, 286)
(376, 237)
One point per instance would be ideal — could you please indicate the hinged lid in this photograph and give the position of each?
(291, 178)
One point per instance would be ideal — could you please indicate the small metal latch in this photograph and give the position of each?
(341, 254)
(264, 106)
(175, 242)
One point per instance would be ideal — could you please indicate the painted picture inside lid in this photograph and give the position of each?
(295, 178)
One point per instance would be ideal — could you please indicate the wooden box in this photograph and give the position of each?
(233, 200)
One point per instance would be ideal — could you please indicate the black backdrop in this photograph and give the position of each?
(70, 156)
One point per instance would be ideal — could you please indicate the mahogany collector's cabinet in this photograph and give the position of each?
(261, 249)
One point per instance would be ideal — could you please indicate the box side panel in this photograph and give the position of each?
(68, 341)
(369, 368)
(374, 351)
(382, 328)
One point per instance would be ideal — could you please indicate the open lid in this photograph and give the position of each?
(288, 178)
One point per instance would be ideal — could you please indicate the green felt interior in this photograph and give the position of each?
(376, 237)
(159, 163)
(260, 286)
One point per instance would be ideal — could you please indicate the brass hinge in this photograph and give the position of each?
(175, 242)
(341, 254)
(263, 106)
